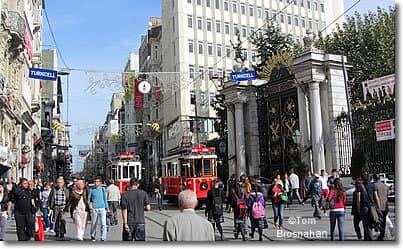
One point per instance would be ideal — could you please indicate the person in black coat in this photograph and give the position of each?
(25, 210)
(214, 207)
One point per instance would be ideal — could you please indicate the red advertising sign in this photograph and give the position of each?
(126, 155)
(138, 96)
(385, 130)
(201, 149)
(28, 41)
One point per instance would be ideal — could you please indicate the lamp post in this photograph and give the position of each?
(66, 73)
(296, 137)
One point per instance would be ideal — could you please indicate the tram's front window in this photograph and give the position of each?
(132, 172)
(125, 170)
(207, 167)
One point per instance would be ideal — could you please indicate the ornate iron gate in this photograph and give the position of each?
(344, 142)
(278, 119)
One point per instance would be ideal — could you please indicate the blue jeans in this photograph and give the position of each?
(45, 216)
(101, 214)
(137, 232)
(160, 199)
(278, 211)
(339, 216)
(296, 191)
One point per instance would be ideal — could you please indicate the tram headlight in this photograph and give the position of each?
(203, 185)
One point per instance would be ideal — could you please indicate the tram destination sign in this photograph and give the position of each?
(43, 74)
(243, 76)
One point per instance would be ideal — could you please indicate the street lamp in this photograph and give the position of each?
(296, 137)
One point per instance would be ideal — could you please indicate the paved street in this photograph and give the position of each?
(298, 225)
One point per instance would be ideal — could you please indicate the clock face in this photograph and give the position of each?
(144, 87)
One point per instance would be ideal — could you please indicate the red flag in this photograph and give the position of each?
(40, 84)
(157, 95)
(138, 96)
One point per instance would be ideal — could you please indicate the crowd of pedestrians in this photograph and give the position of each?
(245, 197)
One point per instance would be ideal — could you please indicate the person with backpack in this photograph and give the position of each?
(256, 205)
(231, 184)
(278, 203)
(240, 213)
(214, 207)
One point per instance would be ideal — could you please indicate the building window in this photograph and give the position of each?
(274, 15)
(217, 4)
(199, 23)
(198, 2)
(243, 31)
(219, 52)
(266, 14)
(202, 98)
(190, 21)
(295, 2)
(208, 3)
(243, 9)
(252, 31)
(236, 30)
(191, 45)
(316, 25)
(192, 97)
(200, 45)
(226, 6)
(302, 3)
(322, 8)
(281, 18)
(250, 10)
(296, 22)
(234, 6)
(191, 71)
(201, 72)
(226, 28)
(228, 51)
(245, 55)
(315, 4)
(211, 97)
(289, 20)
(308, 4)
(259, 12)
(210, 49)
(310, 23)
(209, 24)
(303, 22)
(189, 1)
(253, 56)
(210, 73)
(260, 34)
(218, 26)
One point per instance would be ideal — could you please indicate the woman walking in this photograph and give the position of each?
(78, 208)
(286, 188)
(256, 205)
(337, 212)
(277, 204)
(45, 208)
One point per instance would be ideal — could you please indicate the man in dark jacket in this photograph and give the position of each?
(214, 207)
(24, 210)
(382, 190)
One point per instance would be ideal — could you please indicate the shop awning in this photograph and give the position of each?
(3, 169)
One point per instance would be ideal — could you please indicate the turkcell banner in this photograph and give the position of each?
(244, 75)
(42, 74)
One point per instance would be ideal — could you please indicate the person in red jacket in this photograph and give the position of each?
(337, 212)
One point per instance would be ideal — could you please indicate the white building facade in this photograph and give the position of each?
(196, 43)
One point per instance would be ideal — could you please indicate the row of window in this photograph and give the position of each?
(202, 97)
(210, 72)
(218, 50)
(242, 6)
(280, 18)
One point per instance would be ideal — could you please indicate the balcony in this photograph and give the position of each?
(15, 24)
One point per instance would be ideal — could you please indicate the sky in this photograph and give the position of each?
(98, 35)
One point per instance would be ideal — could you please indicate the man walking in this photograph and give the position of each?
(113, 198)
(58, 199)
(24, 211)
(315, 190)
(134, 202)
(382, 190)
(160, 192)
(294, 180)
(98, 207)
(187, 225)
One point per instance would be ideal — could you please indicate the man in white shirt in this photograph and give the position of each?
(294, 180)
(113, 198)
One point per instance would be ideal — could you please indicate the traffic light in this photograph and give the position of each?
(57, 125)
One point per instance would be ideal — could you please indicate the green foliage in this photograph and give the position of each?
(272, 41)
(368, 41)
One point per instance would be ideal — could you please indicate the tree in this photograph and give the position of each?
(359, 163)
(271, 41)
(368, 42)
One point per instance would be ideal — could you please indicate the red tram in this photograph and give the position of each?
(126, 166)
(194, 169)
